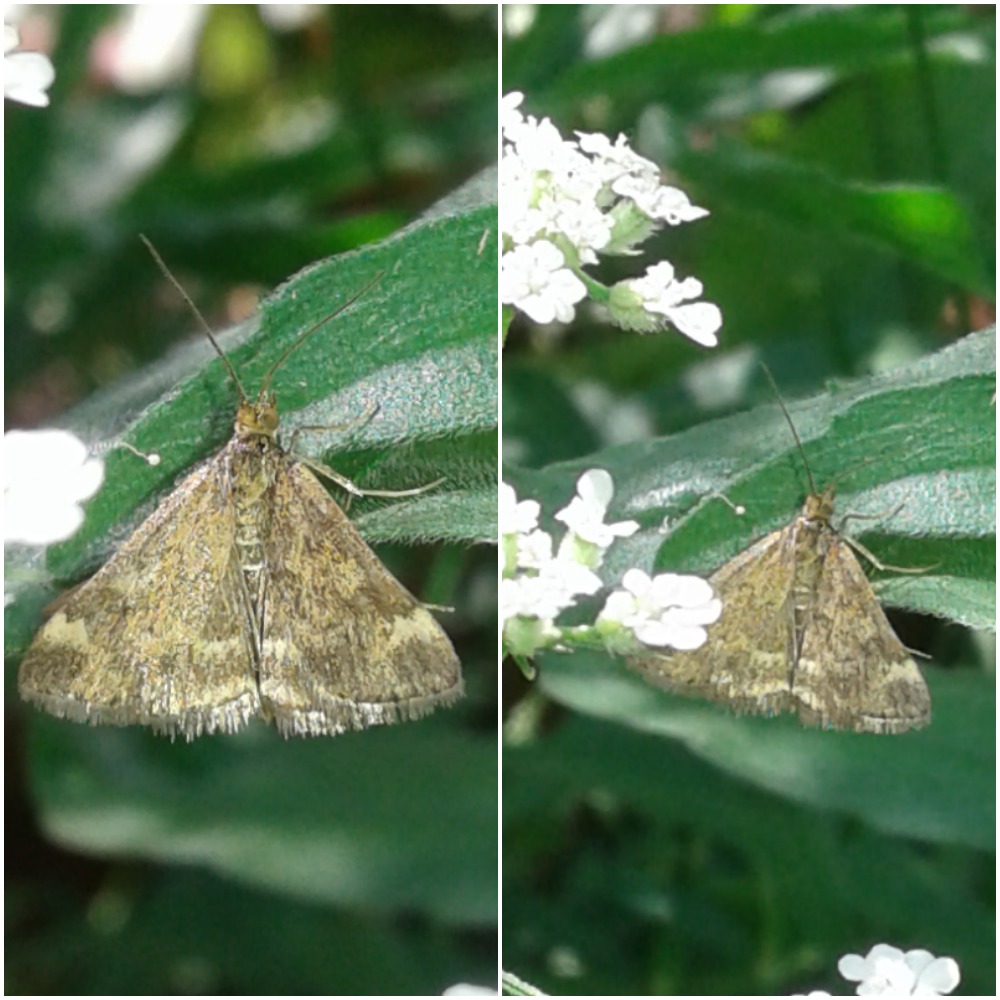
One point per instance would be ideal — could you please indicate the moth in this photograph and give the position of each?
(247, 593)
(801, 631)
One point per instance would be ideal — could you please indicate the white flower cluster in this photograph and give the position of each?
(565, 201)
(888, 971)
(666, 610)
(537, 584)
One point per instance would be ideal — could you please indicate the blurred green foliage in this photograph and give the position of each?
(654, 845)
(243, 865)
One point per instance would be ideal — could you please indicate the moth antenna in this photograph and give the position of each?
(326, 319)
(201, 319)
(795, 434)
(854, 468)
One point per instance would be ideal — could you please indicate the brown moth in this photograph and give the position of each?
(247, 593)
(801, 631)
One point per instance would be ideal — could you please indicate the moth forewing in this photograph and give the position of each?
(246, 593)
(852, 672)
(159, 636)
(330, 600)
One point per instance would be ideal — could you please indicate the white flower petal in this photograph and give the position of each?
(677, 590)
(939, 977)
(596, 487)
(619, 607)
(700, 322)
(517, 516)
(534, 550)
(26, 77)
(653, 633)
(683, 637)
(636, 582)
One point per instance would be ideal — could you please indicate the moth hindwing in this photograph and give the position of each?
(247, 593)
(801, 631)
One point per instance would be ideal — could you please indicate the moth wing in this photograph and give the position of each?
(162, 635)
(344, 645)
(853, 672)
(744, 661)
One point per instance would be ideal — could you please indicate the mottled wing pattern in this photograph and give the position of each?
(744, 662)
(853, 672)
(162, 635)
(344, 645)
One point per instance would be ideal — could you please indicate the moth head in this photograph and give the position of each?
(819, 506)
(258, 419)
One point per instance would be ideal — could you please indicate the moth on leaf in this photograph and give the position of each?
(801, 631)
(247, 593)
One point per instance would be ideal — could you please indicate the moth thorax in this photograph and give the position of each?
(258, 419)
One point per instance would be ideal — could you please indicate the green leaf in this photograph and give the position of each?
(313, 819)
(605, 825)
(858, 774)
(915, 450)
(846, 41)
(928, 226)
(418, 353)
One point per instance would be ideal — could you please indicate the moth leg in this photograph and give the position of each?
(795, 623)
(878, 564)
(882, 515)
(361, 420)
(342, 481)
